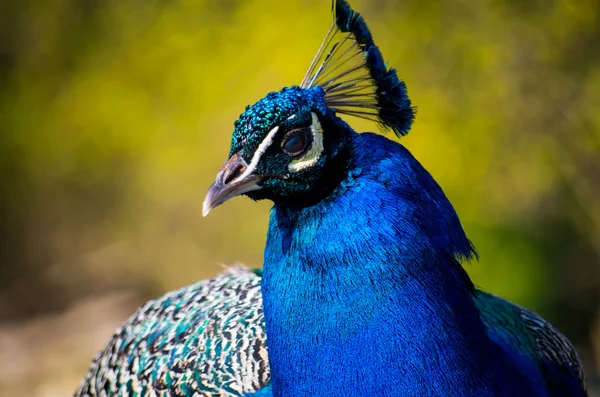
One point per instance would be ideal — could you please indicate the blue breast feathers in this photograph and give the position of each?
(364, 292)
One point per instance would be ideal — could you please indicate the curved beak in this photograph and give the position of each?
(232, 180)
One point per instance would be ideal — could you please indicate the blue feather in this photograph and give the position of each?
(374, 303)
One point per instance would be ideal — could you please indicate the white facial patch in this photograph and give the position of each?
(316, 149)
(262, 148)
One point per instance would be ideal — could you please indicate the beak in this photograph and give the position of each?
(232, 180)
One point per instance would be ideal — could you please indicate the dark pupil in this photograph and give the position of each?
(295, 144)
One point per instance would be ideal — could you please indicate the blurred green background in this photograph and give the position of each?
(115, 116)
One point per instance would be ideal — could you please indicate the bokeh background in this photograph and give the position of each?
(115, 116)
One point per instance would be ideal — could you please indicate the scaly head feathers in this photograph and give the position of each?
(282, 138)
(290, 145)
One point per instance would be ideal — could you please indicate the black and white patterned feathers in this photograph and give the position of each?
(207, 339)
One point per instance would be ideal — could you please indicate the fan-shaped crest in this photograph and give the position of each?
(351, 71)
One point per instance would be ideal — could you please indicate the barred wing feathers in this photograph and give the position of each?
(207, 339)
(528, 333)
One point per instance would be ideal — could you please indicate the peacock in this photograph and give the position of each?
(362, 291)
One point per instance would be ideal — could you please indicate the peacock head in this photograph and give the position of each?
(291, 146)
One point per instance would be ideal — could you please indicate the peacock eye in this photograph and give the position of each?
(295, 143)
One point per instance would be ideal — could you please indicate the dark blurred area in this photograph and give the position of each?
(115, 116)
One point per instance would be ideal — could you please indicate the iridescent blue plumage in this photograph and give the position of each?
(362, 291)
(370, 276)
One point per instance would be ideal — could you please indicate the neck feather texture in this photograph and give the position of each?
(364, 294)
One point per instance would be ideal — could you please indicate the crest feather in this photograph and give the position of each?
(350, 69)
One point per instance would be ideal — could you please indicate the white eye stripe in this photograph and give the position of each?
(262, 148)
(316, 149)
(308, 160)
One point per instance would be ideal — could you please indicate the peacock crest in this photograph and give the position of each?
(351, 71)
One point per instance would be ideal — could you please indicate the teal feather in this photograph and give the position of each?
(206, 339)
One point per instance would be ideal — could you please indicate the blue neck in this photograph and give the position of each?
(376, 303)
